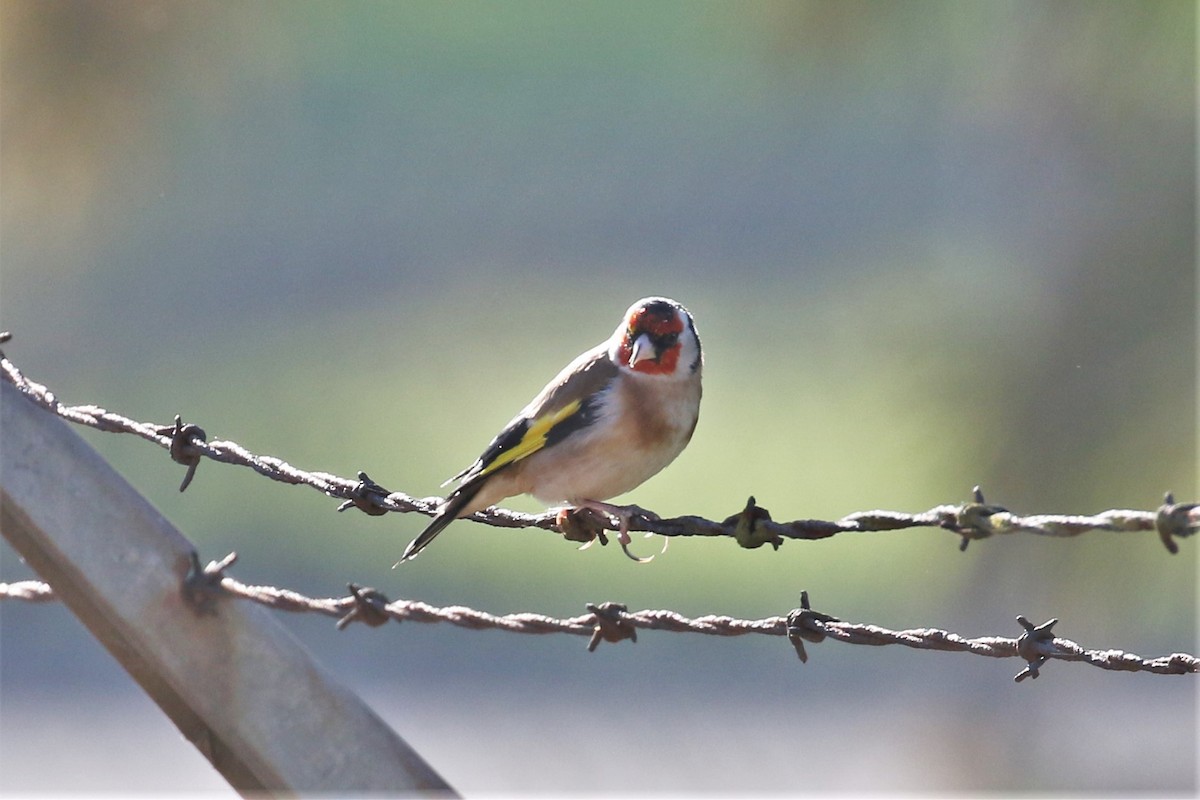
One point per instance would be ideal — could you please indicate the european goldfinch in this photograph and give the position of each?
(612, 418)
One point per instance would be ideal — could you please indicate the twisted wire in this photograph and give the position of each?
(799, 624)
(751, 527)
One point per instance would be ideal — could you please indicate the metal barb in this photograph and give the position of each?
(365, 495)
(748, 532)
(182, 449)
(1030, 646)
(370, 607)
(804, 624)
(612, 624)
(202, 585)
(1174, 521)
(974, 520)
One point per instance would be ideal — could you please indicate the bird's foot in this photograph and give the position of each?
(582, 525)
(622, 515)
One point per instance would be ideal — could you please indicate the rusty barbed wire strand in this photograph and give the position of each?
(751, 527)
(613, 622)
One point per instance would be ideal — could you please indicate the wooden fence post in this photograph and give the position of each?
(236, 682)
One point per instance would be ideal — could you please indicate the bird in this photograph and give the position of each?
(610, 420)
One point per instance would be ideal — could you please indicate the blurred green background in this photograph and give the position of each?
(927, 245)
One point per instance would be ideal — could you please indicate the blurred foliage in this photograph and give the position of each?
(927, 244)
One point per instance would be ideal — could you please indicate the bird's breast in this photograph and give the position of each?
(640, 427)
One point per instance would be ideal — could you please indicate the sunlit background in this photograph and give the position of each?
(927, 245)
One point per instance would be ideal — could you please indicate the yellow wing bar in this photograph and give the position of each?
(534, 438)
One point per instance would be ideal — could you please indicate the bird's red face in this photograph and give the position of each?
(651, 342)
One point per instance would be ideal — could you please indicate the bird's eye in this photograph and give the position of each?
(668, 340)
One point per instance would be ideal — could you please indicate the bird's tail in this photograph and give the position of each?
(447, 513)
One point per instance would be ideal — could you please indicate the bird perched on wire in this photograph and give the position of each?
(612, 418)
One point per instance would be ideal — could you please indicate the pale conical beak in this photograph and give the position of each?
(643, 349)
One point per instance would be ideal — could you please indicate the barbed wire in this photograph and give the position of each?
(751, 527)
(613, 622)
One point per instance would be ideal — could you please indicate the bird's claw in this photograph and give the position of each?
(625, 549)
(622, 515)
